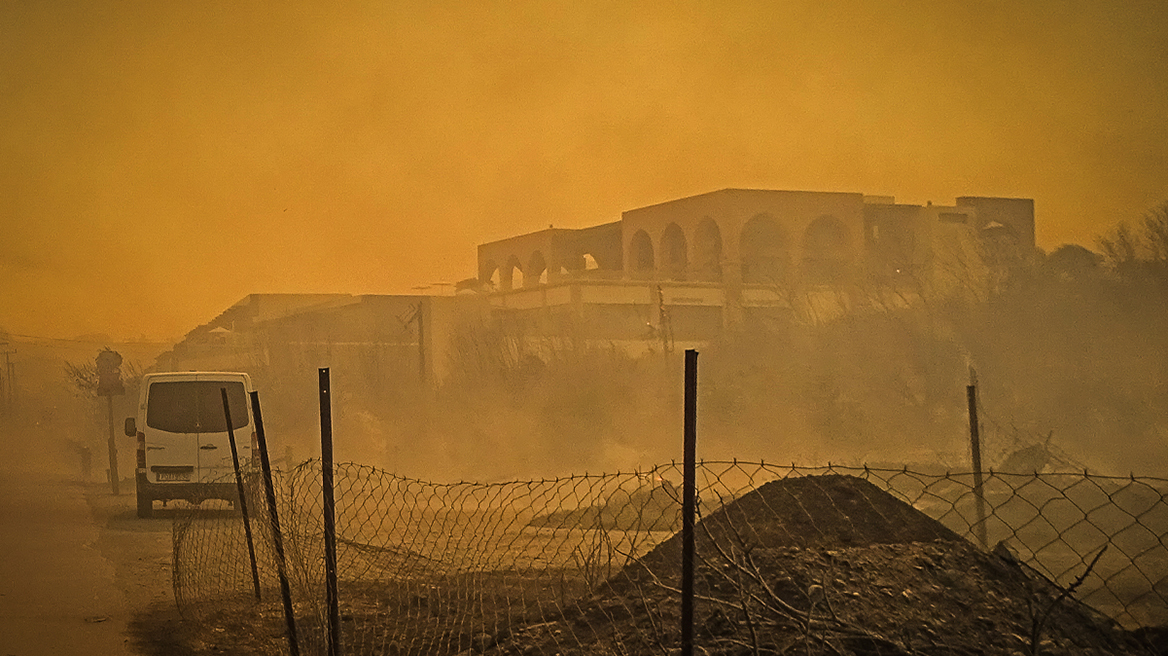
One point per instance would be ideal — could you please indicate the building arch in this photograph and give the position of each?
(826, 251)
(512, 274)
(537, 270)
(764, 251)
(674, 259)
(707, 252)
(489, 274)
(641, 254)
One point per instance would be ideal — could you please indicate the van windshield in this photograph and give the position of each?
(191, 406)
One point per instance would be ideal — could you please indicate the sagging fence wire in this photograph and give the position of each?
(788, 555)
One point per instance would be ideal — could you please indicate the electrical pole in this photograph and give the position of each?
(421, 344)
(3, 381)
(8, 382)
(665, 323)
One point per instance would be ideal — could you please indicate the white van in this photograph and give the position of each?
(183, 447)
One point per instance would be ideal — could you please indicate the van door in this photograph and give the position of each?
(214, 443)
(171, 429)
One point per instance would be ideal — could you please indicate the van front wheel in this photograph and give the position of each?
(145, 506)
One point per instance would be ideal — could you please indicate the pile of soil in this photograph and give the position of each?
(827, 511)
(831, 565)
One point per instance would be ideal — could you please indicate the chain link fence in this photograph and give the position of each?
(816, 559)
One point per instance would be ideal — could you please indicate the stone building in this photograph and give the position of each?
(669, 275)
(385, 339)
(686, 269)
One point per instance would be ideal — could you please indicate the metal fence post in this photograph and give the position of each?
(975, 450)
(274, 517)
(689, 502)
(330, 521)
(255, 573)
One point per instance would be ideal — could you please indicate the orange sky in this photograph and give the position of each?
(161, 160)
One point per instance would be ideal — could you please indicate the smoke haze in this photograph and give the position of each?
(163, 160)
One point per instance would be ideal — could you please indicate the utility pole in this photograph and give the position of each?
(3, 381)
(665, 323)
(421, 344)
(8, 381)
(417, 315)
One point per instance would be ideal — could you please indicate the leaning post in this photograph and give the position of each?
(255, 573)
(274, 518)
(975, 452)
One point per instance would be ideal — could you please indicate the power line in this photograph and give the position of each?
(8, 388)
(90, 341)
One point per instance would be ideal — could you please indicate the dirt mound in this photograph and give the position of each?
(826, 565)
(929, 598)
(830, 511)
(822, 511)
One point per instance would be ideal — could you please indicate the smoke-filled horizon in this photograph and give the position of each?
(163, 160)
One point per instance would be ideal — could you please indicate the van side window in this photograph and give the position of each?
(195, 406)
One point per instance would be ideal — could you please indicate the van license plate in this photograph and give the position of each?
(174, 476)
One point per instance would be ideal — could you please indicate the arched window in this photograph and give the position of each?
(673, 252)
(513, 274)
(641, 254)
(707, 252)
(825, 250)
(536, 273)
(764, 251)
(489, 275)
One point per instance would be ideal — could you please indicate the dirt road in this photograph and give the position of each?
(79, 573)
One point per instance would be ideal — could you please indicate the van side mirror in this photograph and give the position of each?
(131, 427)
